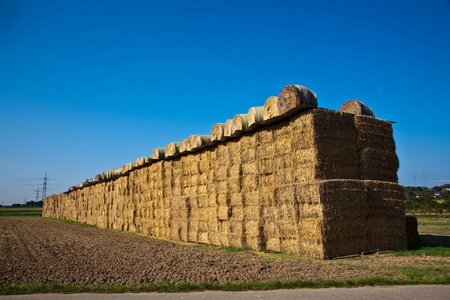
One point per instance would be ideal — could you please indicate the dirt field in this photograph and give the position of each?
(47, 251)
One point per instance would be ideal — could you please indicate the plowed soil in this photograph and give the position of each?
(47, 251)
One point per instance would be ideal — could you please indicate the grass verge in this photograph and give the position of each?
(20, 213)
(39, 288)
(419, 250)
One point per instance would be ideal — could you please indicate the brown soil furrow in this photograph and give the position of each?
(48, 251)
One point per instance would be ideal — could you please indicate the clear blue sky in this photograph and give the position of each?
(89, 85)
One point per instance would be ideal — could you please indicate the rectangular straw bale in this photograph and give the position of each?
(343, 198)
(222, 187)
(249, 184)
(265, 150)
(285, 194)
(373, 126)
(248, 155)
(288, 229)
(223, 238)
(184, 233)
(204, 166)
(266, 181)
(252, 213)
(236, 226)
(235, 170)
(248, 141)
(379, 165)
(237, 213)
(203, 237)
(202, 189)
(221, 173)
(311, 229)
(283, 161)
(273, 244)
(251, 199)
(264, 135)
(266, 165)
(306, 210)
(234, 184)
(284, 177)
(375, 141)
(254, 242)
(213, 224)
(212, 197)
(224, 226)
(282, 145)
(223, 199)
(381, 225)
(252, 227)
(236, 199)
(353, 245)
(202, 224)
(174, 231)
(223, 212)
(214, 238)
(267, 196)
(290, 245)
(280, 129)
(235, 240)
(184, 166)
(194, 167)
(336, 229)
(235, 155)
(270, 229)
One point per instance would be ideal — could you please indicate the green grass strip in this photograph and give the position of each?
(39, 288)
(18, 213)
(419, 250)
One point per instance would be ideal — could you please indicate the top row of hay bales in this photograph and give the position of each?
(292, 99)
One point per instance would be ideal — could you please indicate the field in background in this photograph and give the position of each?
(21, 211)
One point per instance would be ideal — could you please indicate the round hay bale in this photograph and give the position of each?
(139, 161)
(295, 96)
(228, 128)
(357, 108)
(116, 172)
(190, 142)
(217, 132)
(172, 149)
(183, 146)
(255, 115)
(270, 108)
(200, 140)
(158, 153)
(240, 123)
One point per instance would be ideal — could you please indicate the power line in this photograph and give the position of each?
(44, 187)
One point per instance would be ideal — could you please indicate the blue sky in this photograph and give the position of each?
(88, 85)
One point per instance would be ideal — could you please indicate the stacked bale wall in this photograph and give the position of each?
(320, 183)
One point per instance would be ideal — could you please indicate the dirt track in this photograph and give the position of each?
(47, 251)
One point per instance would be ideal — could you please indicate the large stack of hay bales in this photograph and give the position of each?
(287, 177)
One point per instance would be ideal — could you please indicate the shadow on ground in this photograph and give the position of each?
(435, 240)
